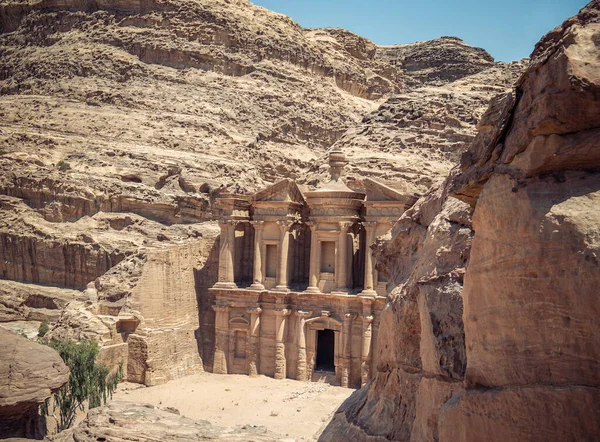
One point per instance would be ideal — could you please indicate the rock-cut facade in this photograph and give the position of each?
(298, 295)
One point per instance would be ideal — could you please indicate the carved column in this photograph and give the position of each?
(280, 363)
(369, 287)
(347, 350)
(315, 264)
(221, 339)
(258, 276)
(284, 245)
(342, 258)
(365, 366)
(301, 372)
(226, 254)
(253, 348)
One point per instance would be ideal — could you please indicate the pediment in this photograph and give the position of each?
(380, 192)
(283, 191)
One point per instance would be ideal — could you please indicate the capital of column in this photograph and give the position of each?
(349, 317)
(302, 313)
(281, 311)
(254, 310)
(228, 222)
(345, 225)
(221, 308)
(369, 225)
(258, 225)
(367, 319)
(284, 224)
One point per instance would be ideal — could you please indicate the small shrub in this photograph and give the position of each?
(43, 329)
(63, 166)
(88, 381)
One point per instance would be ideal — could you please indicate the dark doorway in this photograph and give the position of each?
(325, 350)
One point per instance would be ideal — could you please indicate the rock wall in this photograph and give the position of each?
(421, 351)
(515, 354)
(531, 288)
(165, 296)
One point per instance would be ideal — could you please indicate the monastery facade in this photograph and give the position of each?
(298, 295)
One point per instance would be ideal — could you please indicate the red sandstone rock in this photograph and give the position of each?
(29, 374)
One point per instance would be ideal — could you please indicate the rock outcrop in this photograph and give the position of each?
(421, 344)
(29, 374)
(509, 348)
(531, 288)
(125, 421)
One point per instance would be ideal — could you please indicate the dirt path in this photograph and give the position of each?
(291, 408)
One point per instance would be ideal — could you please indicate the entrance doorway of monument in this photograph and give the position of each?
(325, 350)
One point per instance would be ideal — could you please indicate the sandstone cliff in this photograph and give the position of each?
(121, 121)
(514, 354)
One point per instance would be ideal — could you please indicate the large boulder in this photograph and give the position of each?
(29, 374)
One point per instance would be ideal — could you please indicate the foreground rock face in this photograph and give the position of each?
(29, 374)
(421, 344)
(124, 421)
(531, 289)
(523, 362)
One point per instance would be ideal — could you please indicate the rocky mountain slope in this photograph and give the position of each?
(491, 332)
(121, 121)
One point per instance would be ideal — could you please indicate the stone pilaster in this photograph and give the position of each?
(280, 362)
(341, 274)
(284, 245)
(369, 284)
(226, 255)
(346, 360)
(301, 372)
(253, 348)
(315, 264)
(258, 275)
(365, 366)
(221, 339)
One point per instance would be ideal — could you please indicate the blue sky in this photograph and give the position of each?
(507, 29)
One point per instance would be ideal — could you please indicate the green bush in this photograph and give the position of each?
(63, 166)
(88, 381)
(43, 329)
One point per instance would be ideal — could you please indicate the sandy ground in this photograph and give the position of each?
(290, 408)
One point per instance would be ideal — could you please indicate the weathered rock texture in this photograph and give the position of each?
(531, 289)
(526, 365)
(125, 421)
(122, 121)
(29, 374)
(421, 345)
(145, 312)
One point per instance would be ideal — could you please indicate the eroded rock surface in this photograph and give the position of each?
(125, 421)
(522, 363)
(29, 374)
(421, 341)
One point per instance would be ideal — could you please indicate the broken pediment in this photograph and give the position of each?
(380, 192)
(283, 191)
